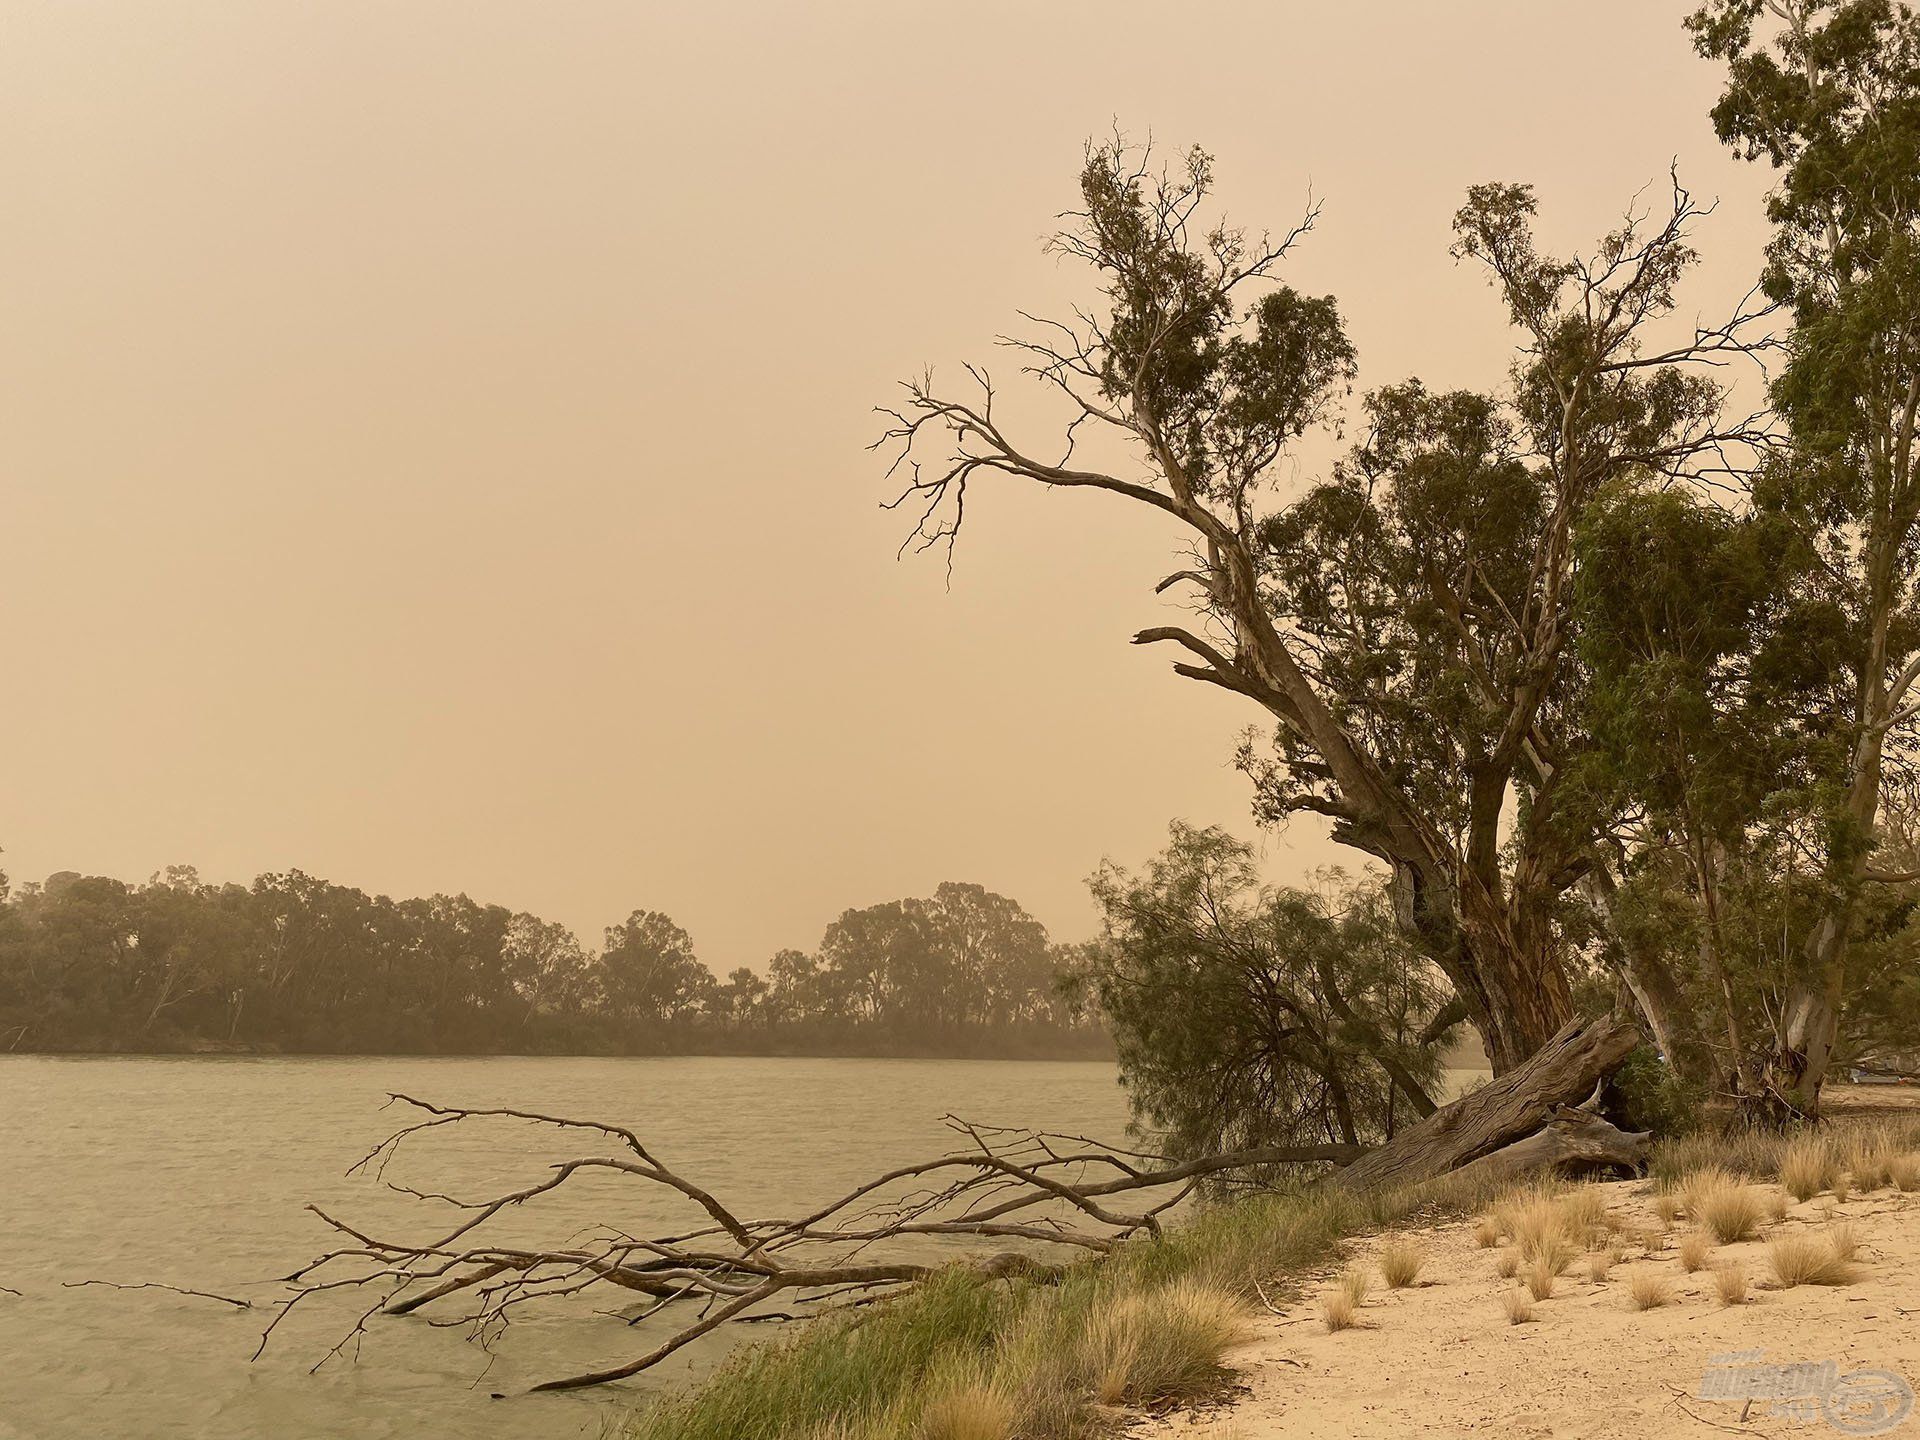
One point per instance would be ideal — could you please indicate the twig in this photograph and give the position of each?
(156, 1285)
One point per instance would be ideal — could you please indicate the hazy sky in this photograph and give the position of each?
(433, 431)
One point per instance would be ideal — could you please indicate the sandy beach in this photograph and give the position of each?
(1441, 1358)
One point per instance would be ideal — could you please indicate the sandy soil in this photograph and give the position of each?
(1441, 1358)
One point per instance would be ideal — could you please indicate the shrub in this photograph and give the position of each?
(1646, 1094)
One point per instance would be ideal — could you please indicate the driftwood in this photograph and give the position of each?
(1565, 1072)
(1042, 1198)
(1575, 1139)
(1051, 1195)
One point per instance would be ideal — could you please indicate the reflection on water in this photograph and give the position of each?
(196, 1172)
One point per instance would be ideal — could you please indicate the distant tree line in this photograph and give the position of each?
(295, 963)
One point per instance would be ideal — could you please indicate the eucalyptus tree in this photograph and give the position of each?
(1406, 624)
(1828, 93)
(1700, 705)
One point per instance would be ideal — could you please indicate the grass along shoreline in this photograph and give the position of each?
(1151, 1325)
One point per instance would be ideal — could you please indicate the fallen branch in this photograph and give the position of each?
(1051, 1197)
(1042, 1192)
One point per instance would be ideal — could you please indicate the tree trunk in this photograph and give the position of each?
(1508, 976)
(1808, 1027)
(1563, 1074)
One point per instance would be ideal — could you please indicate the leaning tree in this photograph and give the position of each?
(1406, 624)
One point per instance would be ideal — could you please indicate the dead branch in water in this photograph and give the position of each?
(1051, 1195)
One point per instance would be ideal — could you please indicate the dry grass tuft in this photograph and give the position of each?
(1598, 1265)
(1814, 1259)
(1844, 1242)
(1870, 1158)
(1535, 1216)
(1667, 1206)
(1649, 1289)
(1807, 1165)
(1144, 1345)
(1508, 1265)
(968, 1409)
(1777, 1205)
(1400, 1263)
(1730, 1210)
(1341, 1306)
(1584, 1210)
(1486, 1232)
(1539, 1280)
(1518, 1305)
(1694, 1250)
(1730, 1283)
(1339, 1311)
(1904, 1171)
(1696, 1185)
(1356, 1284)
(1558, 1255)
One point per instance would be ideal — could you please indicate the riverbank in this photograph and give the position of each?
(1066, 1046)
(1444, 1358)
(1233, 1329)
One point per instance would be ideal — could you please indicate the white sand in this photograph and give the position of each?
(1441, 1358)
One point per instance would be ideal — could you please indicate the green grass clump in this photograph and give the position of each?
(1149, 1322)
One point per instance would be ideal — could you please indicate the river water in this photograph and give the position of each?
(195, 1171)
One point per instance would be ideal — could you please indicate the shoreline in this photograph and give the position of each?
(266, 1053)
(1233, 1327)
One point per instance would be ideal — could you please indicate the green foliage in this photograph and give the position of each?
(1227, 390)
(1646, 1093)
(1246, 1016)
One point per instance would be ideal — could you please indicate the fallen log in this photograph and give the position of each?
(1516, 1107)
(1575, 1140)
